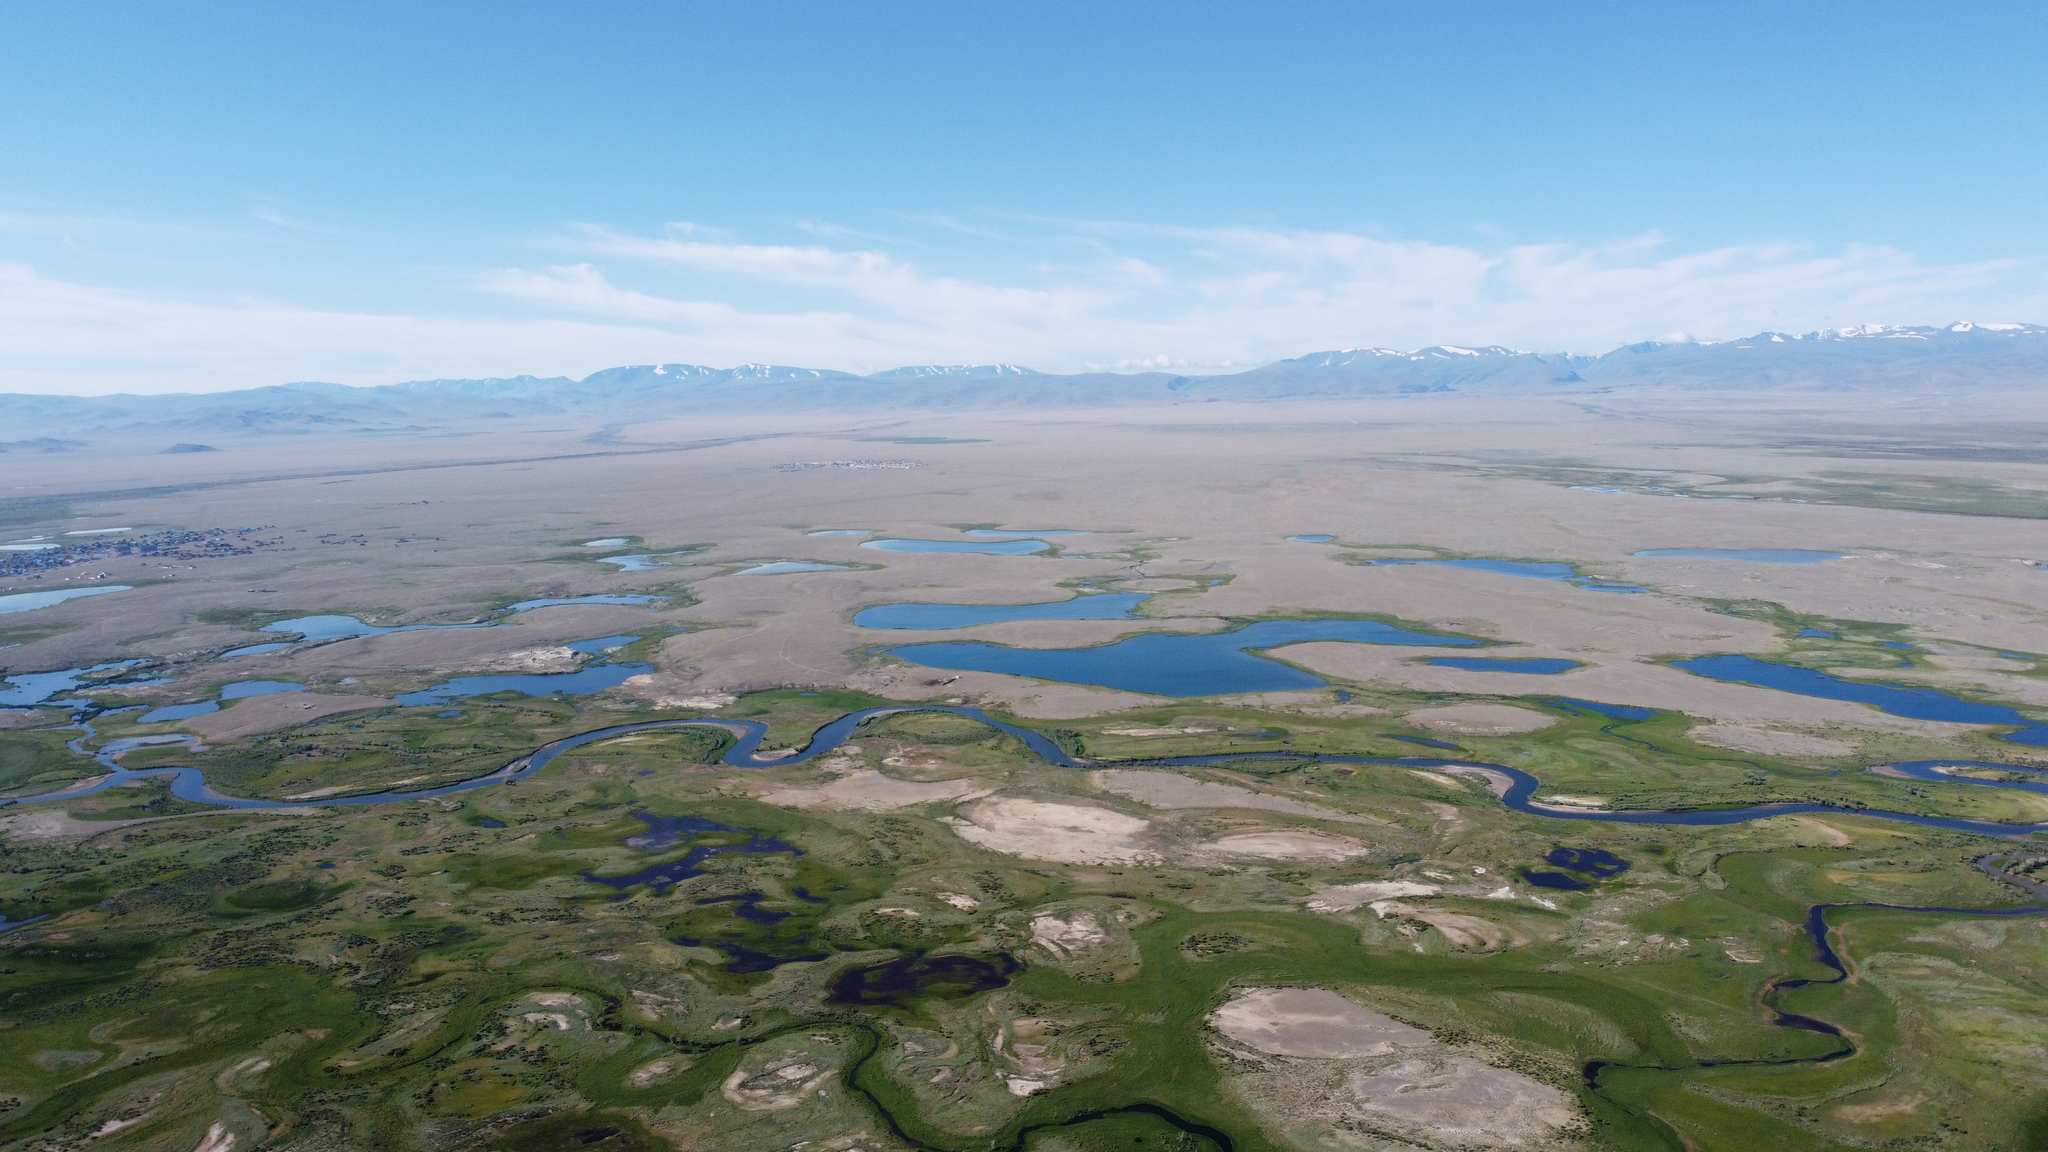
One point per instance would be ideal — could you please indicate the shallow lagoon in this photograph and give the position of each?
(988, 548)
(1897, 699)
(595, 677)
(1317, 538)
(1759, 555)
(840, 532)
(1532, 667)
(310, 628)
(1529, 569)
(27, 688)
(780, 567)
(1173, 665)
(1102, 606)
(30, 601)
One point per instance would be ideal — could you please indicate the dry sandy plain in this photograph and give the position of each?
(437, 528)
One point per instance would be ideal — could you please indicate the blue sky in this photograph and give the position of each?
(200, 196)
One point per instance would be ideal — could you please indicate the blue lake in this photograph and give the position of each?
(310, 628)
(1027, 532)
(640, 563)
(30, 601)
(1531, 667)
(1528, 569)
(1173, 665)
(633, 598)
(1759, 555)
(1897, 699)
(342, 627)
(240, 690)
(595, 677)
(780, 567)
(1804, 633)
(1316, 539)
(1102, 606)
(28, 688)
(988, 548)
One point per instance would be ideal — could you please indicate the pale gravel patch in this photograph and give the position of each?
(1063, 833)
(1172, 790)
(1070, 937)
(1313, 1022)
(1769, 741)
(869, 791)
(1350, 897)
(1281, 845)
(1480, 719)
(282, 710)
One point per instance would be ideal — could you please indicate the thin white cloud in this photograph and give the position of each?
(1111, 294)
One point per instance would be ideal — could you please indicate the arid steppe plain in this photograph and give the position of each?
(1258, 951)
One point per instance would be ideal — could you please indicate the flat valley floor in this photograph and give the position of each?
(1328, 933)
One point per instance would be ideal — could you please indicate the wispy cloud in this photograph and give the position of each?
(1069, 295)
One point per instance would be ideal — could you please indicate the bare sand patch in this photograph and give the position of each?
(1349, 897)
(869, 791)
(1070, 937)
(1458, 929)
(11, 718)
(1480, 719)
(1172, 790)
(1286, 845)
(1046, 830)
(1559, 802)
(1019, 695)
(1337, 1066)
(548, 658)
(283, 710)
(1143, 730)
(1312, 1022)
(776, 1088)
(1460, 1102)
(1769, 741)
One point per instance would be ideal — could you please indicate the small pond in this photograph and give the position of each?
(632, 598)
(986, 548)
(609, 542)
(918, 975)
(1527, 569)
(1533, 667)
(665, 832)
(1759, 555)
(840, 532)
(30, 601)
(637, 563)
(594, 677)
(1173, 665)
(1101, 606)
(1315, 539)
(1897, 699)
(1611, 711)
(780, 567)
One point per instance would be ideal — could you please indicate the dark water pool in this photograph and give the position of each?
(1174, 665)
(1532, 667)
(1527, 569)
(1101, 606)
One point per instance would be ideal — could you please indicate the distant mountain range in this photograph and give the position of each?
(1961, 357)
